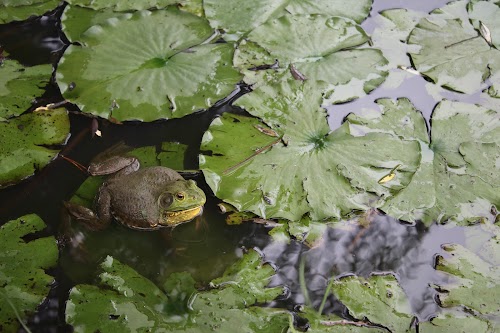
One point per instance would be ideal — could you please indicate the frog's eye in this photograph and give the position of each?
(180, 196)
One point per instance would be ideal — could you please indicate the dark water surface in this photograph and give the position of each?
(207, 247)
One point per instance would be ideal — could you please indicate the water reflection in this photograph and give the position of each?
(386, 245)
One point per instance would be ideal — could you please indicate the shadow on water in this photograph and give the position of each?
(206, 248)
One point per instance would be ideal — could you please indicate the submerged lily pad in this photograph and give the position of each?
(314, 48)
(310, 170)
(453, 52)
(456, 178)
(125, 301)
(171, 73)
(239, 16)
(378, 298)
(19, 85)
(22, 142)
(22, 270)
(18, 10)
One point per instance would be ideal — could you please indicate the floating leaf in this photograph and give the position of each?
(456, 178)
(239, 16)
(22, 142)
(452, 52)
(126, 301)
(172, 73)
(453, 323)
(311, 170)
(378, 298)
(22, 270)
(319, 47)
(123, 5)
(18, 10)
(476, 282)
(19, 86)
(484, 17)
(333, 324)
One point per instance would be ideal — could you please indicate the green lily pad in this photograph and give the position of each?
(327, 56)
(19, 85)
(452, 52)
(125, 301)
(23, 139)
(453, 323)
(310, 170)
(456, 178)
(123, 5)
(18, 10)
(171, 73)
(475, 283)
(22, 270)
(239, 16)
(378, 298)
(334, 324)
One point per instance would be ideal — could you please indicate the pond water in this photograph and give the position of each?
(206, 247)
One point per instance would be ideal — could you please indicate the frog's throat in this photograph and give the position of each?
(173, 218)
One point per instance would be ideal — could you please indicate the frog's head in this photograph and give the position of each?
(181, 202)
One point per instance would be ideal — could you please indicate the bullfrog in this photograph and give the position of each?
(139, 198)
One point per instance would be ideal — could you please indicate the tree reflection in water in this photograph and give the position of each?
(386, 245)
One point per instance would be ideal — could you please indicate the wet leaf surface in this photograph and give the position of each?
(320, 48)
(333, 324)
(23, 141)
(239, 17)
(172, 73)
(452, 52)
(312, 170)
(123, 5)
(19, 85)
(378, 298)
(449, 183)
(453, 323)
(22, 270)
(475, 283)
(18, 10)
(126, 301)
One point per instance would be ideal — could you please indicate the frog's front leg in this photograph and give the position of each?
(87, 217)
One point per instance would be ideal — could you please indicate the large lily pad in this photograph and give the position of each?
(19, 85)
(171, 73)
(311, 170)
(125, 301)
(239, 16)
(320, 48)
(18, 10)
(23, 139)
(378, 298)
(22, 270)
(456, 178)
(453, 52)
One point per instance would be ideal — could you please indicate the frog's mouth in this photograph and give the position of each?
(173, 218)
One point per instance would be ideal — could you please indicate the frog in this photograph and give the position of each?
(146, 198)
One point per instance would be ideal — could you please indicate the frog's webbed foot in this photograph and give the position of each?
(85, 216)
